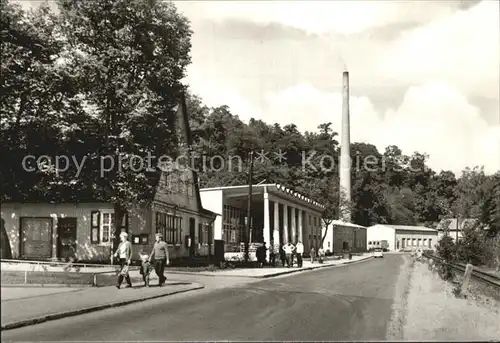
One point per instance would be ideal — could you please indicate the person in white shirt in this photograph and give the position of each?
(288, 249)
(299, 250)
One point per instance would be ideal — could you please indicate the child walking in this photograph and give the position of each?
(146, 268)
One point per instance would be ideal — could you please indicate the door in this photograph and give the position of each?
(66, 238)
(345, 246)
(36, 237)
(192, 235)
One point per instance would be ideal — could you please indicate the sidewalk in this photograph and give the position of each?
(18, 311)
(269, 272)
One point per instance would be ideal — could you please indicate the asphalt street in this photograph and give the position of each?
(351, 302)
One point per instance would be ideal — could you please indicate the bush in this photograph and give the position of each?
(475, 247)
(446, 249)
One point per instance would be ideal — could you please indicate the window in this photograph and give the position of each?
(102, 226)
(136, 239)
(169, 226)
(175, 181)
(203, 233)
(328, 244)
(430, 242)
(108, 220)
(200, 233)
(95, 227)
(143, 238)
(233, 223)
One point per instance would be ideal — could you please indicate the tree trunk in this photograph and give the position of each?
(327, 223)
(115, 234)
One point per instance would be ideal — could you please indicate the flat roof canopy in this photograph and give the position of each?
(274, 189)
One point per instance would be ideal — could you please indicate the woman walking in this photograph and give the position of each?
(124, 253)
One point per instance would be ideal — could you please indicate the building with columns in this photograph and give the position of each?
(279, 215)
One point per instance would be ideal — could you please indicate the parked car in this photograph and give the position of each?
(378, 253)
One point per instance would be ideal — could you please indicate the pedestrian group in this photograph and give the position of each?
(157, 260)
(288, 254)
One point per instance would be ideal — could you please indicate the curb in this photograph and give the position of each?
(312, 268)
(46, 285)
(271, 275)
(74, 285)
(46, 318)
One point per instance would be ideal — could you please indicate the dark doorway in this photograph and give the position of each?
(6, 252)
(345, 246)
(192, 235)
(66, 238)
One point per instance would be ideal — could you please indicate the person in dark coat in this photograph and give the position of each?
(160, 256)
(282, 257)
(272, 255)
(261, 255)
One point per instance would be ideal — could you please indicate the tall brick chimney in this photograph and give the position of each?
(345, 158)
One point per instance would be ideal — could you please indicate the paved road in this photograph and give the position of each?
(341, 303)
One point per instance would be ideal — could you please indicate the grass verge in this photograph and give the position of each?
(435, 313)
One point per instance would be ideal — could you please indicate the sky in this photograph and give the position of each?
(424, 75)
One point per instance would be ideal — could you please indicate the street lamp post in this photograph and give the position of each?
(249, 208)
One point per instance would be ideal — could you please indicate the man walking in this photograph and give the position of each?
(161, 258)
(299, 250)
(261, 255)
(288, 248)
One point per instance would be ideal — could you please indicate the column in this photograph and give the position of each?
(300, 238)
(285, 224)
(294, 226)
(316, 232)
(267, 226)
(276, 232)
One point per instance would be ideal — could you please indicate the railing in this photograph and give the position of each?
(476, 273)
(46, 264)
(89, 270)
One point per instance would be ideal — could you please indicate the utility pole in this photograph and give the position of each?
(249, 208)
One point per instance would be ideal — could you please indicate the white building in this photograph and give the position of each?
(401, 237)
(343, 236)
(279, 215)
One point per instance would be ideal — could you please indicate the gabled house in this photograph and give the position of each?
(58, 231)
(454, 227)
